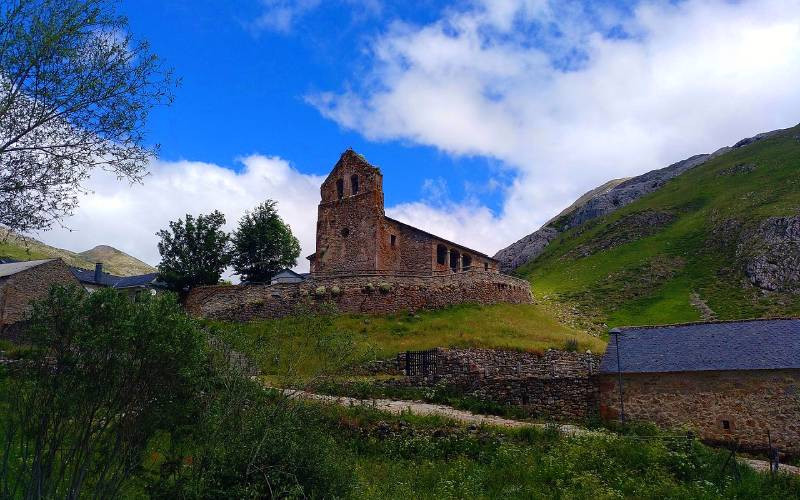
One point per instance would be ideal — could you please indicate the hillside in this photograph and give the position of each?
(114, 261)
(719, 239)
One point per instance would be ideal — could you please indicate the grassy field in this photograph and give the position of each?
(651, 279)
(308, 344)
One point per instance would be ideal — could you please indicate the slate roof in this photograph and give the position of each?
(110, 280)
(16, 267)
(769, 344)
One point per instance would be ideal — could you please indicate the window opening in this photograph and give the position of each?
(340, 188)
(393, 239)
(441, 254)
(354, 184)
(345, 232)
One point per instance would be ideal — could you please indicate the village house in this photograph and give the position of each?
(24, 282)
(355, 235)
(93, 279)
(731, 382)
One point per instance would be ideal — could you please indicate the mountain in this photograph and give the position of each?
(712, 236)
(114, 261)
(122, 263)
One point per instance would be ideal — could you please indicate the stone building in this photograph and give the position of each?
(354, 233)
(729, 381)
(24, 282)
(366, 262)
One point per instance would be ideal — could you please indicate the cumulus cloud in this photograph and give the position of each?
(128, 216)
(569, 95)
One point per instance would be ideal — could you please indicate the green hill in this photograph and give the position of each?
(114, 261)
(721, 240)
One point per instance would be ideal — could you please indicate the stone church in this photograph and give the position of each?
(355, 235)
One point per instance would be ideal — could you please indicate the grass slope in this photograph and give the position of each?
(362, 338)
(651, 279)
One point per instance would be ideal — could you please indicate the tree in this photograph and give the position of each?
(263, 244)
(75, 93)
(103, 376)
(195, 252)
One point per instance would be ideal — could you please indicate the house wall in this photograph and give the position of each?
(753, 402)
(19, 290)
(357, 294)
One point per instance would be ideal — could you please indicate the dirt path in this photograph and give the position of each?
(398, 407)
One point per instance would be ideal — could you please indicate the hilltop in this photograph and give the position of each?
(713, 236)
(114, 261)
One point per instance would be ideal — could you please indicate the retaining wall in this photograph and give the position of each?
(358, 294)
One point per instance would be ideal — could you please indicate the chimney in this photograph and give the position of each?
(98, 272)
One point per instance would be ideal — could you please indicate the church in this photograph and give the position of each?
(355, 235)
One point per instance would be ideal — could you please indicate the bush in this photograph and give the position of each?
(105, 374)
(320, 291)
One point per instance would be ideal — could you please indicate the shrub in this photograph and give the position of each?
(571, 345)
(320, 291)
(335, 290)
(105, 375)
(384, 287)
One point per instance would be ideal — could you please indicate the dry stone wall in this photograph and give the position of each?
(751, 402)
(357, 294)
(554, 384)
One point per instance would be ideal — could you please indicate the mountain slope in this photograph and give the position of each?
(114, 261)
(122, 263)
(721, 238)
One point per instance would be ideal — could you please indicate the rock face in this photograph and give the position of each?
(772, 254)
(605, 202)
(608, 198)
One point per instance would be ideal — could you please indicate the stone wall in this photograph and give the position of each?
(751, 402)
(358, 294)
(555, 384)
(18, 290)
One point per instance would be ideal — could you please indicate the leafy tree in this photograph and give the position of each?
(75, 93)
(194, 252)
(263, 244)
(105, 375)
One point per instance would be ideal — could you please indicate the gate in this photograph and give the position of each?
(421, 363)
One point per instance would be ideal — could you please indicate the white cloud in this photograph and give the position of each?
(542, 87)
(128, 216)
(281, 16)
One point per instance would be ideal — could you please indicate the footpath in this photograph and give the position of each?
(399, 407)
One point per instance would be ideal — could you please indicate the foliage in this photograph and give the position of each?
(423, 457)
(194, 252)
(249, 443)
(263, 244)
(104, 374)
(652, 279)
(75, 93)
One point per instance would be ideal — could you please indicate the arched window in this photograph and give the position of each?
(455, 257)
(441, 254)
(353, 184)
(340, 188)
(466, 262)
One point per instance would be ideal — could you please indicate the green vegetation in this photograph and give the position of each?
(650, 279)
(263, 244)
(363, 338)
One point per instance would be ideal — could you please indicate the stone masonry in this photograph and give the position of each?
(554, 384)
(720, 406)
(357, 294)
(19, 289)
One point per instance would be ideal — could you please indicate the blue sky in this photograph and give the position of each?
(487, 117)
(244, 87)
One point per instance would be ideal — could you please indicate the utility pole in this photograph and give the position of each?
(616, 333)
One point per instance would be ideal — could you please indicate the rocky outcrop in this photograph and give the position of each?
(625, 230)
(772, 254)
(608, 198)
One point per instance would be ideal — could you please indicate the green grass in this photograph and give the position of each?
(285, 345)
(650, 280)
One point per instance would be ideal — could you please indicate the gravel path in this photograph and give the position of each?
(398, 407)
